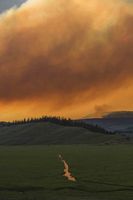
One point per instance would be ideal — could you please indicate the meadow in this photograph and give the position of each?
(103, 172)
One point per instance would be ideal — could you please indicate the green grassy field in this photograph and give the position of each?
(35, 172)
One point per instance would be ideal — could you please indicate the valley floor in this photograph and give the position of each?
(36, 173)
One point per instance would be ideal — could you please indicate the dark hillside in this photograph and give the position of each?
(50, 133)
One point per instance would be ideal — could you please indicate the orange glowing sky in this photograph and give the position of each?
(71, 58)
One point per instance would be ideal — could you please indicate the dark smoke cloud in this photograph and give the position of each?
(65, 52)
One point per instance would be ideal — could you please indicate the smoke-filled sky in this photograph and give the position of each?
(72, 58)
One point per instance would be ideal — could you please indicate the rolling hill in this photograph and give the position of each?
(46, 133)
(121, 122)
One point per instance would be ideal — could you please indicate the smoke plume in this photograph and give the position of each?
(66, 57)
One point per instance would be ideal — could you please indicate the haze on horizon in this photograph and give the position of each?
(70, 58)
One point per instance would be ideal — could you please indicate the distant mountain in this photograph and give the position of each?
(121, 122)
(119, 114)
(47, 133)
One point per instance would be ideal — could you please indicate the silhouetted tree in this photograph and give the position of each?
(61, 121)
